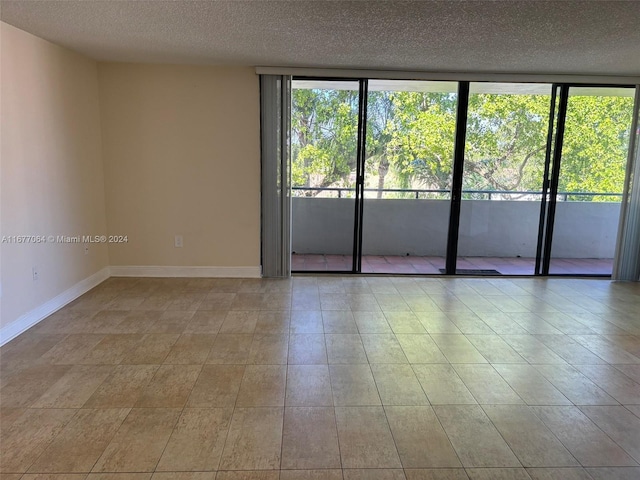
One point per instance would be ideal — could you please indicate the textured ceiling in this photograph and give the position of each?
(574, 37)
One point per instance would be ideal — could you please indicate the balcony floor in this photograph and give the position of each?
(398, 264)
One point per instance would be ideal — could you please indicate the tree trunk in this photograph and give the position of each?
(383, 168)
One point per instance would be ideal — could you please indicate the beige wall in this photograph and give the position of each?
(51, 169)
(145, 151)
(181, 148)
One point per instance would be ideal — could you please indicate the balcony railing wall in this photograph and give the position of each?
(503, 228)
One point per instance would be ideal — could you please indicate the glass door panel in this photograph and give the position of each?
(408, 167)
(591, 180)
(324, 138)
(503, 180)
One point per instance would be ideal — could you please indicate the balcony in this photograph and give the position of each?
(498, 231)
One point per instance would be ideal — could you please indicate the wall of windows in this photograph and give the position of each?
(398, 176)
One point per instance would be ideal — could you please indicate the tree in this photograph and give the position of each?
(380, 113)
(410, 141)
(421, 137)
(594, 153)
(324, 127)
(506, 138)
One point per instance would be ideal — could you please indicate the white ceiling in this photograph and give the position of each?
(551, 37)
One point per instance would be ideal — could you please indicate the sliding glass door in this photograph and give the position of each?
(407, 182)
(590, 179)
(504, 177)
(324, 147)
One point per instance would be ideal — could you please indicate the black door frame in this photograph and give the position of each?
(360, 163)
(551, 129)
(457, 176)
(555, 177)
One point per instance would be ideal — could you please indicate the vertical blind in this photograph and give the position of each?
(275, 99)
(627, 263)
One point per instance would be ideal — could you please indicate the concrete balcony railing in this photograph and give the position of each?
(502, 228)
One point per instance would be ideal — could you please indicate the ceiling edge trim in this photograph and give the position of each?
(450, 76)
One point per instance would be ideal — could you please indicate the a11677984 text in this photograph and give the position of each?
(65, 239)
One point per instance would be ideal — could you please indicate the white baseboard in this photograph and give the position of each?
(168, 271)
(34, 316)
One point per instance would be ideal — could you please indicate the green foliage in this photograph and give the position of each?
(421, 140)
(595, 145)
(410, 141)
(506, 138)
(324, 136)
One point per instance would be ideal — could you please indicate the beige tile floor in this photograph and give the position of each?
(327, 378)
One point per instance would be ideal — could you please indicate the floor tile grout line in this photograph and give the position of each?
(50, 442)
(637, 460)
(567, 447)
(110, 440)
(550, 431)
(497, 373)
(395, 444)
(435, 414)
(284, 393)
(178, 417)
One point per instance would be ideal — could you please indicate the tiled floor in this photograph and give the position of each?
(327, 378)
(396, 264)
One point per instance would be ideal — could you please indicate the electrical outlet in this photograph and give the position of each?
(178, 241)
(34, 271)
